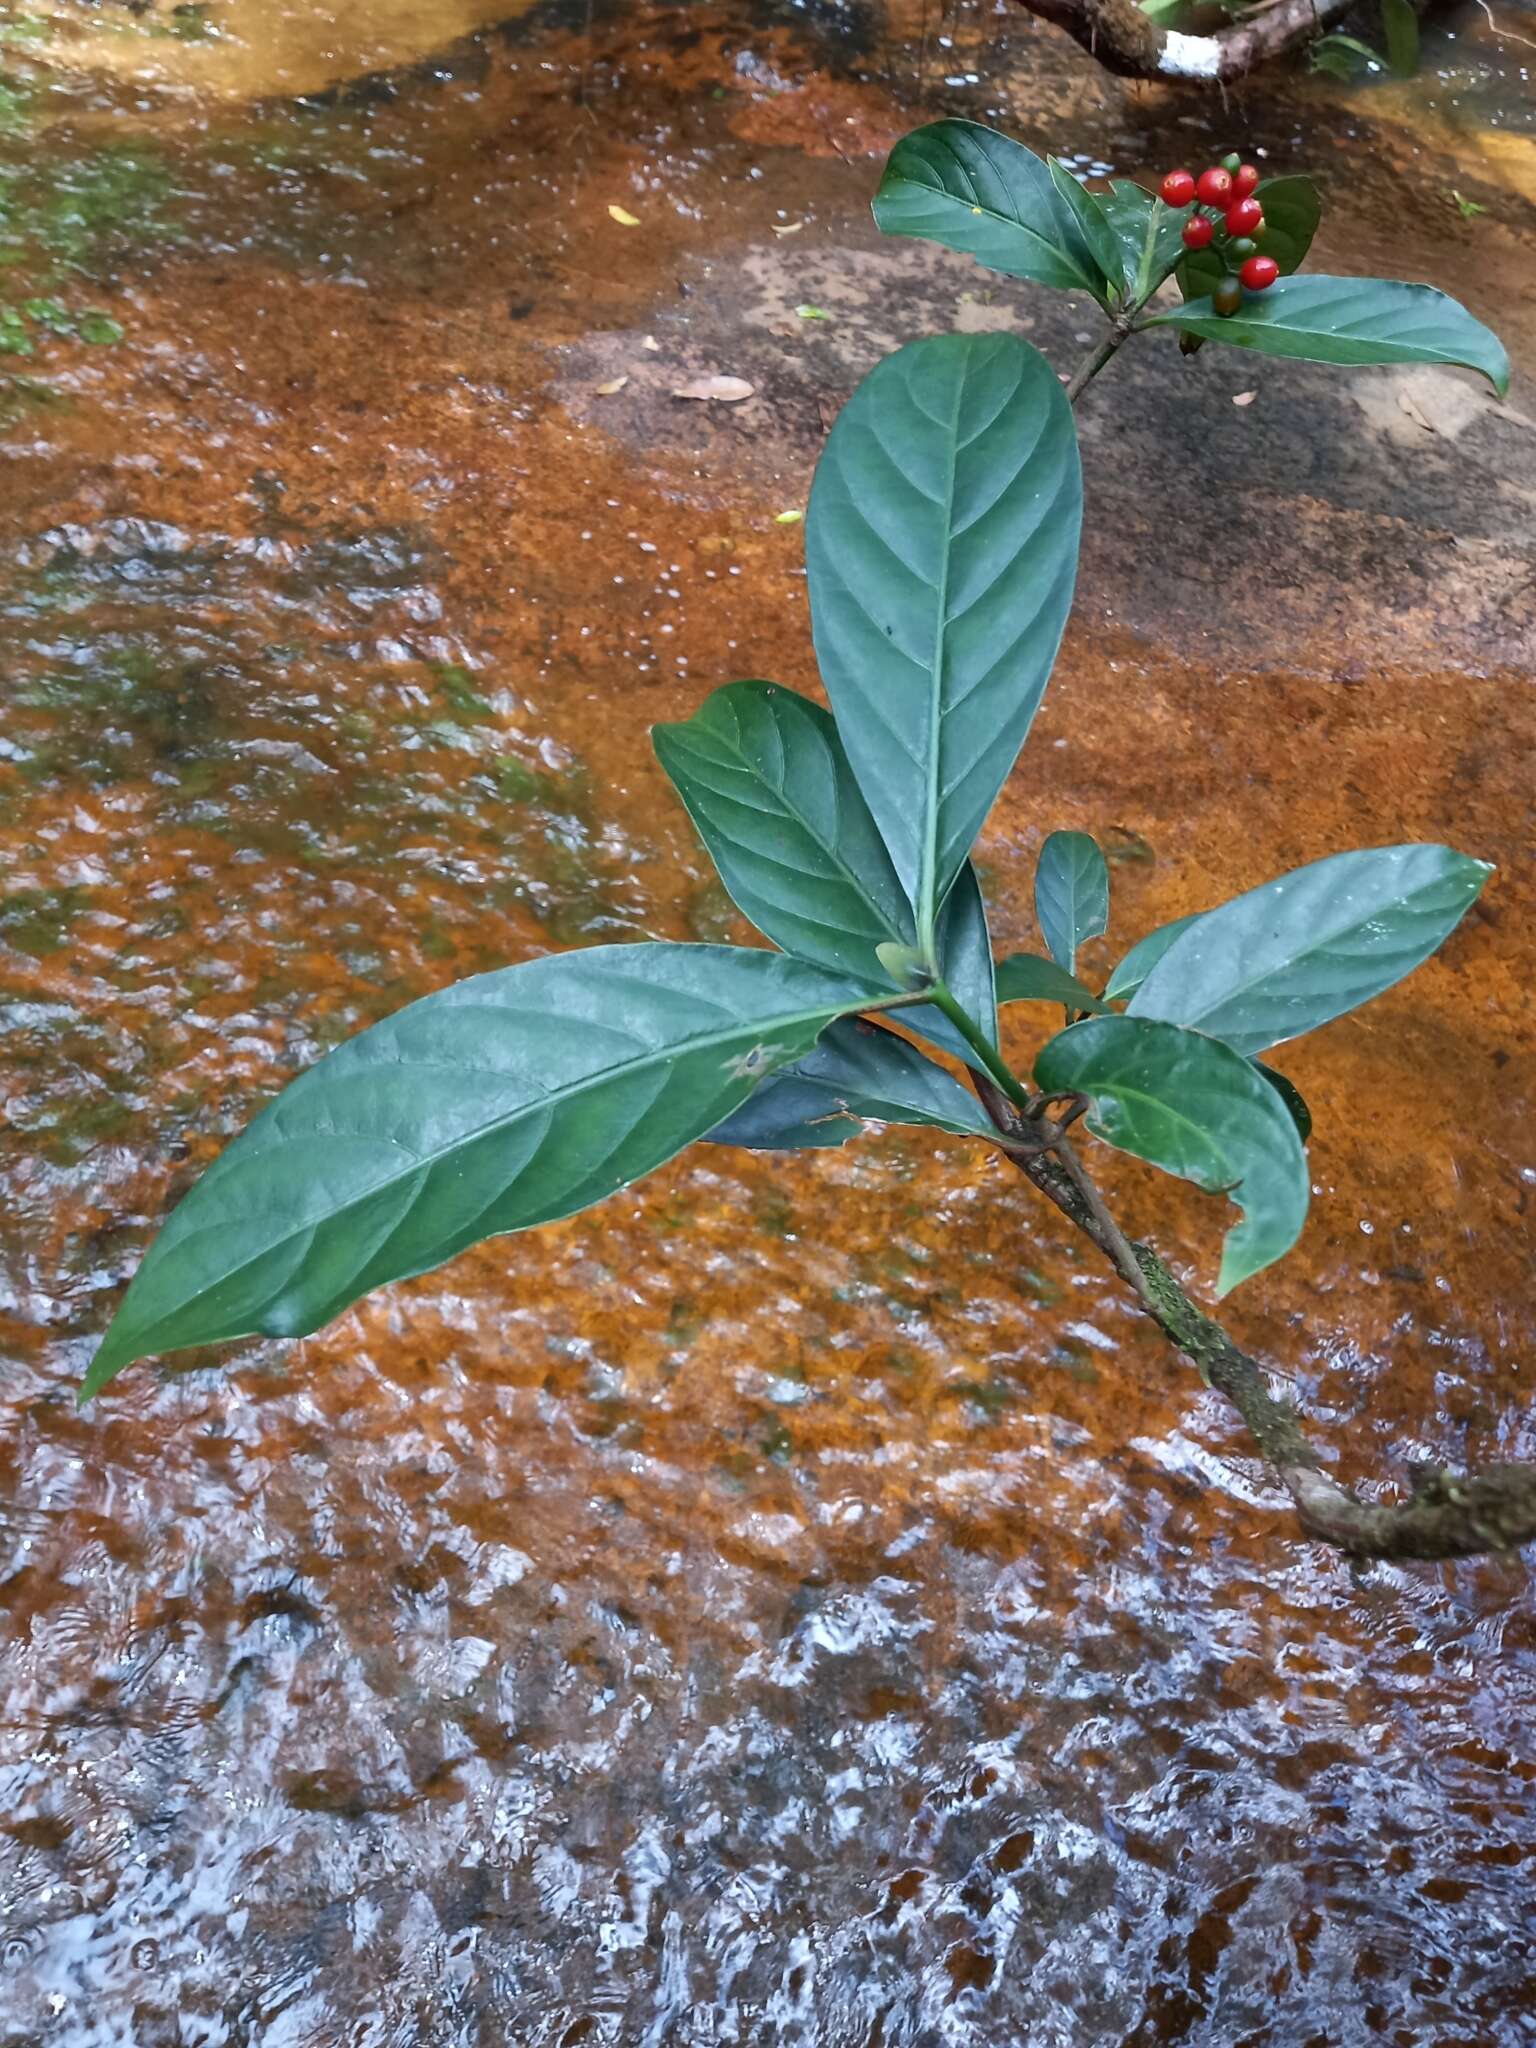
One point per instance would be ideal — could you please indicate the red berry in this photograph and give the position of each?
(1214, 187)
(1197, 231)
(1259, 273)
(1244, 179)
(1243, 216)
(1178, 188)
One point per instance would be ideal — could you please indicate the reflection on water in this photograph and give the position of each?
(795, 1603)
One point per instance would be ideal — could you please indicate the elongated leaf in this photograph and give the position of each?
(965, 959)
(1150, 234)
(1071, 894)
(1096, 244)
(768, 785)
(942, 548)
(1400, 26)
(1143, 957)
(1351, 320)
(986, 196)
(1027, 978)
(508, 1100)
(1290, 1095)
(859, 1071)
(1192, 1106)
(1292, 954)
(1292, 210)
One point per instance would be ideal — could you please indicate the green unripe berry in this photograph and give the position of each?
(1227, 296)
(1233, 163)
(1243, 246)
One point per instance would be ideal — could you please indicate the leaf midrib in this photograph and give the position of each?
(978, 205)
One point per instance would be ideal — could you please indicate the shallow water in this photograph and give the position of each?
(797, 1602)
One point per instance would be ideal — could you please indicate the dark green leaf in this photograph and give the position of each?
(942, 548)
(859, 1071)
(1150, 234)
(1292, 210)
(510, 1099)
(1291, 1096)
(1192, 1106)
(1071, 894)
(986, 196)
(1400, 26)
(1026, 978)
(1351, 320)
(1305, 948)
(1096, 244)
(1143, 957)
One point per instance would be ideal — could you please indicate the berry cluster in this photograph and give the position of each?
(1228, 214)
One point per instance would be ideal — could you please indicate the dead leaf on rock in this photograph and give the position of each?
(1405, 404)
(793, 228)
(624, 218)
(652, 344)
(724, 390)
(1244, 397)
(614, 384)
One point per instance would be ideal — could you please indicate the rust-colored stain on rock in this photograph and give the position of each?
(798, 1601)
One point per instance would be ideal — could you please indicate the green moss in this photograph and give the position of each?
(37, 921)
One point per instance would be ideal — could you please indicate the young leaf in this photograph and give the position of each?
(509, 1099)
(1143, 957)
(1288, 956)
(1292, 210)
(1400, 26)
(986, 196)
(1351, 320)
(1095, 242)
(1150, 234)
(859, 1071)
(1071, 894)
(1189, 1104)
(942, 547)
(1026, 978)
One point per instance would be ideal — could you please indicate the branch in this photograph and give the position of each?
(1494, 1509)
(1127, 41)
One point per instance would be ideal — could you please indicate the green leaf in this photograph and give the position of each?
(1027, 978)
(941, 545)
(1292, 210)
(1071, 894)
(859, 1071)
(765, 779)
(1291, 1096)
(1351, 320)
(1189, 1104)
(99, 328)
(1305, 948)
(986, 196)
(509, 1099)
(1400, 26)
(1096, 244)
(768, 785)
(1150, 234)
(1143, 957)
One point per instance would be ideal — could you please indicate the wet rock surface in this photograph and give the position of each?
(796, 1602)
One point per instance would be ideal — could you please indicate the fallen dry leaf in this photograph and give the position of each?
(793, 228)
(624, 218)
(727, 390)
(790, 518)
(652, 344)
(614, 384)
(1244, 397)
(1406, 404)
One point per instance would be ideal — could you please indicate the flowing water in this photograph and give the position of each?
(798, 1602)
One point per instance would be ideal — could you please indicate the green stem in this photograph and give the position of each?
(970, 1031)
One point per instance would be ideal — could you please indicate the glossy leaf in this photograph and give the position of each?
(942, 549)
(1292, 210)
(986, 196)
(1291, 1096)
(1400, 26)
(1288, 956)
(1026, 978)
(509, 1099)
(859, 1071)
(1071, 894)
(1351, 320)
(1096, 243)
(1143, 957)
(1150, 234)
(1189, 1104)
(766, 781)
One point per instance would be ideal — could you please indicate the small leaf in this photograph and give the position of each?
(1143, 957)
(941, 546)
(986, 196)
(1351, 320)
(1026, 978)
(624, 218)
(859, 1071)
(811, 313)
(724, 390)
(1192, 1106)
(612, 387)
(791, 517)
(1400, 26)
(1292, 210)
(1467, 208)
(1291, 1096)
(1150, 234)
(1244, 397)
(100, 329)
(507, 1100)
(1071, 894)
(1305, 948)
